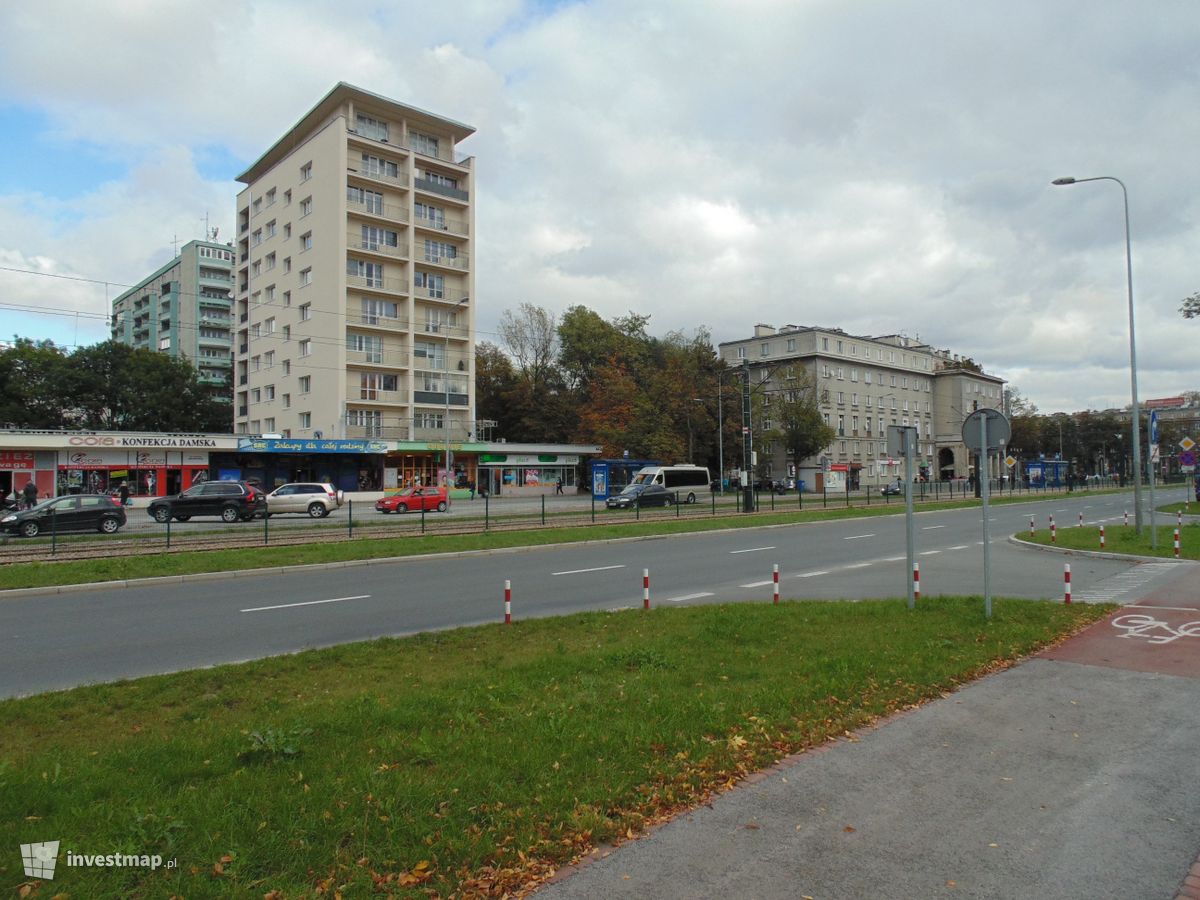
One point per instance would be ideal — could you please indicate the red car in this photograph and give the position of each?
(415, 499)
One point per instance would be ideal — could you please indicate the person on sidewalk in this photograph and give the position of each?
(30, 492)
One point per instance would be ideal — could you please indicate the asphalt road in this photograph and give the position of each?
(53, 641)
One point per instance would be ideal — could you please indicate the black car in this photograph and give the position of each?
(641, 495)
(77, 512)
(231, 500)
(894, 489)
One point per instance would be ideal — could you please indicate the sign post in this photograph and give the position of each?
(986, 430)
(1153, 466)
(901, 440)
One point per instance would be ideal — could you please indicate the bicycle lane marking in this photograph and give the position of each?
(1158, 631)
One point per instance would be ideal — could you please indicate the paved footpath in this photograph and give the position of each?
(1075, 774)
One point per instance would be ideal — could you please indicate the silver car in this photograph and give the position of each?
(309, 497)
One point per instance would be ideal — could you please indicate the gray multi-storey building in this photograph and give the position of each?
(184, 309)
(863, 385)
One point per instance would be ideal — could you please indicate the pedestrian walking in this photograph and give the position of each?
(558, 486)
(30, 493)
(471, 488)
(123, 493)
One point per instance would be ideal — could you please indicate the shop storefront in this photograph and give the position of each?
(528, 473)
(65, 462)
(349, 465)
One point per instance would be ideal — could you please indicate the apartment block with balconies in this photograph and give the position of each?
(184, 309)
(354, 278)
(866, 384)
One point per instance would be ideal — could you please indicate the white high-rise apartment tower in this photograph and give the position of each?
(354, 279)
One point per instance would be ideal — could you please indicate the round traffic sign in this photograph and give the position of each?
(998, 430)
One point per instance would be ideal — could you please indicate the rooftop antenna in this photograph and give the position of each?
(175, 245)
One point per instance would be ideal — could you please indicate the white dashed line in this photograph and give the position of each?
(582, 571)
(857, 537)
(752, 550)
(929, 552)
(305, 603)
(813, 574)
(755, 584)
(931, 527)
(689, 597)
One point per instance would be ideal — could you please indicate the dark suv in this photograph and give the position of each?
(231, 500)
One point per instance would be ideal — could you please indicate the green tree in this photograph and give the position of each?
(1191, 306)
(796, 416)
(112, 386)
(32, 376)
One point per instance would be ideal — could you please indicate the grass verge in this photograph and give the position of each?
(1124, 539)
(467, 762)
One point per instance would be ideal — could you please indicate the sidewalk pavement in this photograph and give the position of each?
(1074, 774)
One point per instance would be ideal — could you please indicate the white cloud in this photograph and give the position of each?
(878, 167)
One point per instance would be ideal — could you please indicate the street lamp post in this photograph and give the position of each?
(446, 379)
(1136, 414)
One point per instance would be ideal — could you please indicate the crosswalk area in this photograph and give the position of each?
(1125, 584)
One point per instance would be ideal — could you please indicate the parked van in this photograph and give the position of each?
(689, 482)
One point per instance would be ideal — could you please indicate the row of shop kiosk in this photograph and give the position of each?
(151, 465)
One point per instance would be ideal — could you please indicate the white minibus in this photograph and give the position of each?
(689, 482)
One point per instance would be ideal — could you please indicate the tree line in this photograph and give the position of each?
(579, 378)
(106, 387)
(1094, 442)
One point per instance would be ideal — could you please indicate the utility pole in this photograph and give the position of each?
(747, 442)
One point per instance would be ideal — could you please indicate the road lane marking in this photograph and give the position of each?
(752, 550)
(855, 537)
(754, 584)
(857, 566)
(306, 603)
(581, 571)
(959, 547)
(813, 574)
(931, 527)
(894, 558)
(689, 597)
(930, 552)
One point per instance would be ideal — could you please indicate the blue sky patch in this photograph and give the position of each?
(36, 161)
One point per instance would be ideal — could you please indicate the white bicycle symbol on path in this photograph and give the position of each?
(1155, 631)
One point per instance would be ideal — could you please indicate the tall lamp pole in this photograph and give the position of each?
(1136, 414)
(446, 379)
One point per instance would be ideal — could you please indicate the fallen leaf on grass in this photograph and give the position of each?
(849, 828)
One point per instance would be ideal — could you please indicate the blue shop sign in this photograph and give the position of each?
(285, 445)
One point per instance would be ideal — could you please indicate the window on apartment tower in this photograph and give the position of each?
(367, 126)
(305, 384)
(305, 172)
(306, 347)
(423, 143)
(305, 276)
(306, 420)
(306, 241)
(305, 312)
(305, 206)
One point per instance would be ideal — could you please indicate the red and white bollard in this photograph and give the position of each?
(645, 588)
(1053, 532)
(1179, 518)
(916, 581)
(1126, 518)
(775, 577)
(1080, 525)
(1067, 583)
(1101, 537)
(1031, 526)
(507, 602)
(1177, 543)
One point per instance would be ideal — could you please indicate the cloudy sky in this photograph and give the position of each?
(879, 166)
